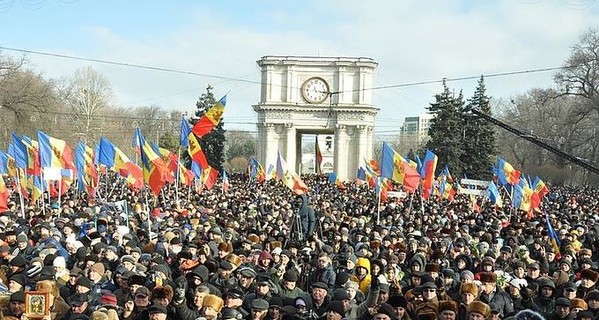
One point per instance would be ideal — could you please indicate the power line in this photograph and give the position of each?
(391, 86)
(131, 65)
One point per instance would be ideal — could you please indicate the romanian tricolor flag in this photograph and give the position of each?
(506, 173)
(154, 168)
(553, 238)
(115, 159)
(196, 153)
(4, 195)
(396, 168)
(429, 165)
(210, 119)
(289, 178)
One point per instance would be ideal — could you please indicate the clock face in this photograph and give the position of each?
(315, 90)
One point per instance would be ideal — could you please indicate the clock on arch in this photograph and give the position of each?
(315, 90)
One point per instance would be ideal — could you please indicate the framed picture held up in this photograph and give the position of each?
(37, 304)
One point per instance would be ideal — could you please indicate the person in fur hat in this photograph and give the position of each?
(492, 294)
(468, 293)
(478, 310)
(448, 310)
(211, 307)
(588, 282)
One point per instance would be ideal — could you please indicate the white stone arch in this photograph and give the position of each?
(316, 95)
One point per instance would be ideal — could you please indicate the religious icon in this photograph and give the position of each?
(4, 300)
(37, 304)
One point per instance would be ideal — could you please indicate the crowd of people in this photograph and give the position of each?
(258, 251)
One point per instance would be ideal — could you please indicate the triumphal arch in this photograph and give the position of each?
(318, 96)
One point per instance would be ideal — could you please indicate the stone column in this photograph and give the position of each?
(271, 145)
(362, 145)
(341, 156)
(369, 139)
(290, 146)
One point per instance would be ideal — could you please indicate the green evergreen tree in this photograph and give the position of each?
(213, 143)
(169, 141)
(479, 145)
(446, 131)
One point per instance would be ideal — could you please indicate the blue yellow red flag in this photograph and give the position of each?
(210, 119)
(184, 133)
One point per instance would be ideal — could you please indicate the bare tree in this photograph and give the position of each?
(27, 100)
(580, 78)
(88, 96)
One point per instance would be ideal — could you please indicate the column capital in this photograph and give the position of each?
(340, 127)
(288, 126)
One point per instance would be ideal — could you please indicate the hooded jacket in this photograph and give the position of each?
(364, 283)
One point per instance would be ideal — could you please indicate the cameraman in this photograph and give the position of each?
(306, 214)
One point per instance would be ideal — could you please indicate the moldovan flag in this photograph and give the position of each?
(553, 238)
(87, 174)
(225, 186)
(210, 119)
(446, 189)
(318, 158)
(186, 176)
(256, 170)
(538, 192)
(54, 152)
(429, 165)
(506, 173)
(494, 196)
(184, 133)
(289, 178)
(196, 153)
(4, 195)
(115, 159)
(18, 151)
(336, 181)
(154, 168)
(33, 159)
(360, 176)
(396, 168)
(208, 177)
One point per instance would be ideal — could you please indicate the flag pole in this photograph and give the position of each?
(177, 175)
(127, 212)
(59, 193)
(21, 200)
(43, 201)
(378, 210)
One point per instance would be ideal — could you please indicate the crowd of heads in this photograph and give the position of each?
(258, 251)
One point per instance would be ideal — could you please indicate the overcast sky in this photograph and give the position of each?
(412, 41)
